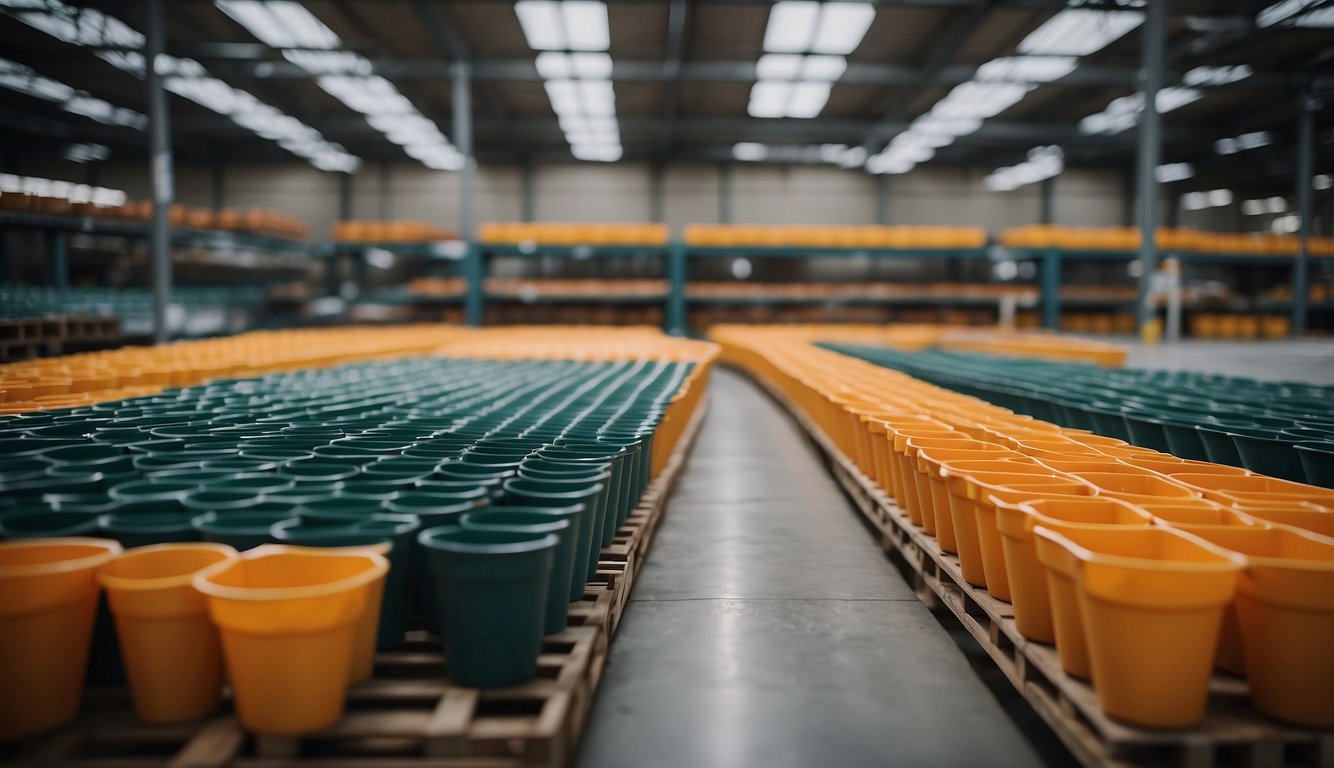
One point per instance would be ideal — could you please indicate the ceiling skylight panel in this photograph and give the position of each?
(842, 27)
(541, 24)
(586, 26)
(1080, 32)
(791, 26)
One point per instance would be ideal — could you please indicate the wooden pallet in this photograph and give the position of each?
(408, 714)
(1231, 734)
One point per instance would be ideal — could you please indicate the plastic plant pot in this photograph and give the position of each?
(1317, 462)
(241, 465)
(397, 530)
(1269, 452)
(241, 530)
(338, 509)
(491, 476)
(585, 473)
(372, 490)
(35, 524)
(1027, 579)
(48, 598)
(433, 510)
(258, 483)
(215, 499)
(601, 515)
(288, 618)
(140, 491)
(523, 492)
(315, 470)
(533, 520)
(1152, 603)
(172, 657)
(462, 490)
(133, 527)
(1219, 447)
(1285, 614)
(79, 502)
(493, 588)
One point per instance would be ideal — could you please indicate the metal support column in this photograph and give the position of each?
(1305, 182)
(463, 140)
(527, 192)
(474, 273)
(1150, 150)
(161, 171)
(676, 297)
(1047, 213)
(57, 249)
(1049, 294)
(725, 193)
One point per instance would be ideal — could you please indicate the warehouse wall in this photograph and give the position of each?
(625, 192)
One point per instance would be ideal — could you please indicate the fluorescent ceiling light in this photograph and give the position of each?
(85, 153)
(1026, 69)
(916, 138)
(1322, 181)
(1042, 163)
(1320, 18)
(1282, 11)
(1215, 76)
(552, 65)
(564, 96)
(790, 26)
(20, 78)
(1175, 98)
(1252, 207)
(1246, 141)
(597, 97)
(1080, 32)
(78, 26)
(329, 62)
(778, 66)
(601, 153)
(1123, 113)
(591, 66)
(979, 100)
(586, 27)
(842, 27)
(827, 68)
(769, 98)
(541, 23)
(808, 99)
(960, 126)
(280, 23)
(1170, 172)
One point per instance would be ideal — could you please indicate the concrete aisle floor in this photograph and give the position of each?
(768, 629)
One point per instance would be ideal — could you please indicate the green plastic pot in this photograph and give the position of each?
(211, 499)
(338, 509)
(573, 476)
(1318, 462)
(257, 483)
(398, 530)
(36, 525)
(316, 470)
(87, 454)
(373, 490)
(1267, 452)
(140, 528)
(243, 465)
(493, 587)
(80, 502)
(620, 488)
(1218, 445)
(526, 492)
(240, 530)
(557, 522)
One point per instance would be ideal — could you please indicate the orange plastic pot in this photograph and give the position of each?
(1285, 614)
(1137, 488)
(1308, 517)
(987, 495)
(289, 618)
(1028, 582)
(48, 598)
(171, 651)
(1152, 603)
(964, 507)
(1256, 490)
(905, 469)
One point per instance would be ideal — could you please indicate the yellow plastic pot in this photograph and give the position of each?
(171, 651)
(289, 618)
(1028, 582)
(1137, 488)
(1152, 603)
(963, 508)
(1249, 491)
(1285, 613)
(48, 598)
(1308, 517)
(999, 490)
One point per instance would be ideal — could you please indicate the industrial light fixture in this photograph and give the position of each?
(564, 25)
(1080, 32)
(85, 153)
(1287, 224)
(1245, 141)
(1170, 172)
(21, 78)
(805, 44)
(280, 23)
(1298, 13)
(842, 27)
(1042, 163)
(1216, 76)
(1322, 182)
(1123, 113)
(1026, 69)
(1214, 198)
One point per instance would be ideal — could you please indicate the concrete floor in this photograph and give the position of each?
(1309, 361)
(768, 628)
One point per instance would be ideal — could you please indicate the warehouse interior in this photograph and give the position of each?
(967, 364)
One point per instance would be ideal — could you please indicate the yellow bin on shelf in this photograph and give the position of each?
(1152, 603)
(172, 656)
(48, 598)
(289, 620)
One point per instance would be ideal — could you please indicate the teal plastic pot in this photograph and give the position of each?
(120, 436)
(37, 484)
(242, 465)
(1146, 431)
(533, 520)
(139, 528)
(88, 454)
(619, 490)
(36, 525)
(240, 530)
(398, 530)
(1317, 462)
(373, 490)
(463, 490)
(573, 476)
(1218, 445)
(1266, 452)
(434, 509)
(210, 499)
(257, 483)
(490, 476)
(315, 470)
(493, 587)
(525, 492)
(1184, 440)
(303, 493)
(282, 456)
(80, 502)
(338, 509)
